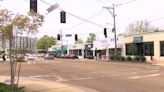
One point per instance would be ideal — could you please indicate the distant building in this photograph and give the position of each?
(26, 44)
(103, 49)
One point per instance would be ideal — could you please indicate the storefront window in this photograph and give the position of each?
(162, 48)
(128, 52)
(80, 53)
(148, 49)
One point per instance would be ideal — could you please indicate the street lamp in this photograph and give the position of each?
(114, 25)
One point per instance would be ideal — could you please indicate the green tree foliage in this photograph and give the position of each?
(91, 38)
(79, 41)
(45, 42)
(140, 27)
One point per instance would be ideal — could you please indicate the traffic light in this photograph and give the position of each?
(76, 37)
(105, 32)
(33, 6)
(58, 36)
(62, 17)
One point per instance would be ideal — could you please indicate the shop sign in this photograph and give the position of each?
(137, 39)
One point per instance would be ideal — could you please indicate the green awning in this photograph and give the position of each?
(60, 50)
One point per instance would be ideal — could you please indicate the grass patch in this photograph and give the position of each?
(7, 88)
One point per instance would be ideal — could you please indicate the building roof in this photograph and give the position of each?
(146, 33)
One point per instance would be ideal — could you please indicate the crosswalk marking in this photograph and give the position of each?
(143, 76)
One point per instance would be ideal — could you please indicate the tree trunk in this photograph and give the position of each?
(11, 66)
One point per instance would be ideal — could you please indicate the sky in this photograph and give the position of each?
(127, 11)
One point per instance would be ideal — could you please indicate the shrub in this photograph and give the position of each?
(111, 57)
(129, 58)
(122, 58)
(117, 58)
(7, 88)
(137, 58)
(142, 58)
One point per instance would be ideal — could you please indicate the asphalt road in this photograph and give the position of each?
(98, 75)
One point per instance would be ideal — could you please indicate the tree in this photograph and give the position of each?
(28, 24)
(45, 42)
(140, 27)
(79, 41)
(91, 38)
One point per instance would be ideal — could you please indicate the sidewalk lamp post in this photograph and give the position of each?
(114, 25)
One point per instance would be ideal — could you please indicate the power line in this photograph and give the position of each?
(85, 20)
(91, 17)
(125, 3)
(119, 1)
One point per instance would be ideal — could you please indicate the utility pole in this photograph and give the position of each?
(61, 40)
(114, 25)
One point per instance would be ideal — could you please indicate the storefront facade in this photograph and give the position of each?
(151, 45)
(103, 49)
(76, 49)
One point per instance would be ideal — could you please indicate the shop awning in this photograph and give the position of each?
(60, 50)
(111, 46)
(98, 48)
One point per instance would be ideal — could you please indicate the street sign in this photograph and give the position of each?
(50, 9)
(68, 35)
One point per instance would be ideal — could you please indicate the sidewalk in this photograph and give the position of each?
(160, 63)
(41, 85)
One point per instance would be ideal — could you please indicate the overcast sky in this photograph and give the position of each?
(91, 10)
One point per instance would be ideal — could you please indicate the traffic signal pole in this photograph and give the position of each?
(114, 25)
(61, 37)
(114, 29)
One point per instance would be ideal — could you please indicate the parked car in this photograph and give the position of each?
(41, 55)
(49, 57)
(29, 57)
(60, 55)
(89, 56)
(72, 56)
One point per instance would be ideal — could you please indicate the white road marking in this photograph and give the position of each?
(153, 70)
(133, 73)
(154, 75)
(137, 77)
(39, 76)
(60, 79)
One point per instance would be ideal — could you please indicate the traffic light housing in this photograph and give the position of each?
(105, 32)
(33, 6)
(76, 37)
(58, 36)
(62, 17)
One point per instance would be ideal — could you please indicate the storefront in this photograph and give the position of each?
(87, 51)
(149, 44)
(76, 49)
